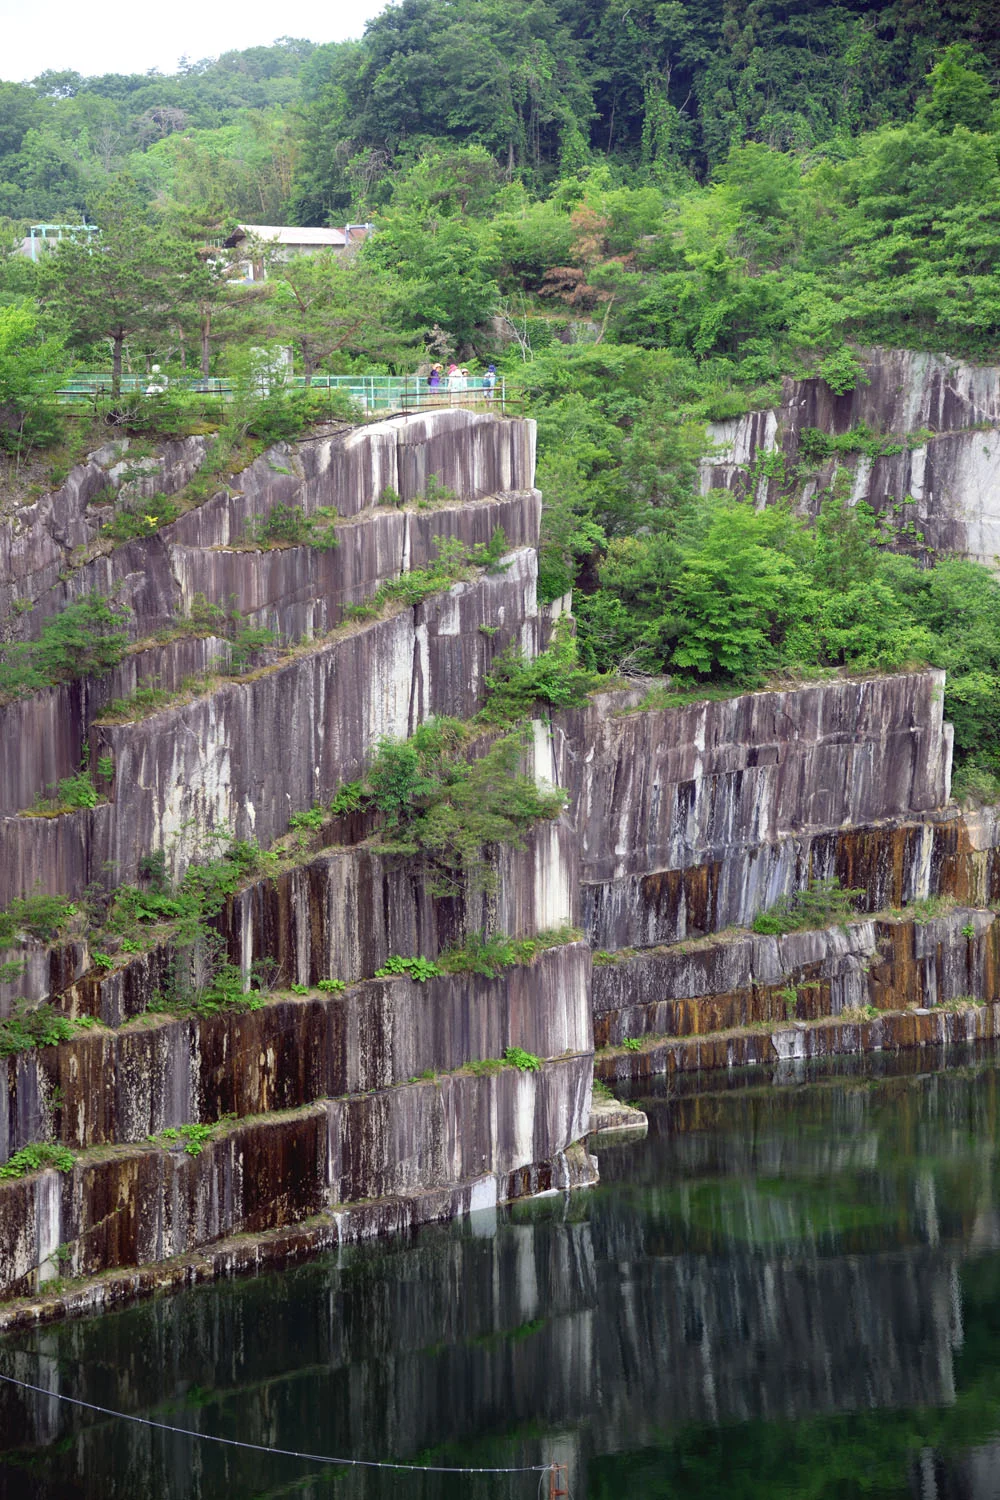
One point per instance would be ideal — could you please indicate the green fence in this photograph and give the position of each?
(373, 393)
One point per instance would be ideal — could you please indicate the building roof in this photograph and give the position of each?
(285, 234)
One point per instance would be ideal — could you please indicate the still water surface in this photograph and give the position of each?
(782, 1292)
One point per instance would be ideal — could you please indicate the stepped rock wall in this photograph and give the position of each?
(146, 1204)
(750, 979)
(113, 1087)
(211, 763)
(952, 476)
(474, 455)
(693, 819)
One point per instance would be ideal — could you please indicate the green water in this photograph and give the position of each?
(784, 1291)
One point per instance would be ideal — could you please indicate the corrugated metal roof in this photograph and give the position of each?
(285, 234)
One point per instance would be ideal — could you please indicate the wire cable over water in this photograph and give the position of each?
(312, 1458)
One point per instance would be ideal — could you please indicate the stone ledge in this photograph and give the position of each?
(891, 1031)
(242, 1255)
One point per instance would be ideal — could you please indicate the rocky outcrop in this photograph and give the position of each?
(116, 1085)
(693, 819)
(470, 456)
(211, 763)
(939, 415)
(726, 983)
(147, 1203)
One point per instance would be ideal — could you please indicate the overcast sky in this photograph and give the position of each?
(133, 36)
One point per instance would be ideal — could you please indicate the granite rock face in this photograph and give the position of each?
(941, 415)
(211, 763)
(681, 823)
(721, 984)
(147, 1203)
(117, 1086)
(692, 819)
(471, 456)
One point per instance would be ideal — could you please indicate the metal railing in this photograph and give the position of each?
(372, 393)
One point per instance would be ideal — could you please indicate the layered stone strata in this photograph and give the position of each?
(940, 414)
(253, 751)
(140, 1204)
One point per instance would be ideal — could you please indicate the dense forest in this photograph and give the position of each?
(646, 214)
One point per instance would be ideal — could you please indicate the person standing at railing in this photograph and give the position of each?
(455, 380)
(434, 379)
(489, 383)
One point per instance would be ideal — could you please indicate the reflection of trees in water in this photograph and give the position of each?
(794, 1261)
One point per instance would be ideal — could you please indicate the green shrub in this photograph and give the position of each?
(36, 1157)
(349, 798)
(140, 518)
(311, 820)
(485, 1067)
(247, 644)
(145, 700)
(454, 562)
(822, 904)
(41, 1026)
(193, 1137)
(417, 969)
(632, 1043)
(42, 917)
(68, 795)
(86, 640)
(489, 956)
(517, 684)
(442, 809)
(331, 986)
(525, 1062)
(289, 526)
(843, 371)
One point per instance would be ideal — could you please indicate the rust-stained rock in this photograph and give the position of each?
(139, 1204)
(118, 1086)
(800, 1041)
(671, 788)
(749, 980)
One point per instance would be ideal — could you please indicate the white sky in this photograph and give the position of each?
(133, 36)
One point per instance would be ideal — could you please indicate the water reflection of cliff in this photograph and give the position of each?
(765, 1257)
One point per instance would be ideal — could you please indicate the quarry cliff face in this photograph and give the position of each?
(353, 1104)
(933, 469)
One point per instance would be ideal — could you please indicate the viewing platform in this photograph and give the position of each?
(371, 393)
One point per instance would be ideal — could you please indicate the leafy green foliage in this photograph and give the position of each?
(39, 1027)
(40, 916)
(490, 955)
(35, 1158)
(69, 794)
(193, 1137)
(87, 639)
(289, 526)
(418, 969)
(821, 904)
(516, 684)
(443, 808)
(140, 519)
(454, 562)
(30, 372)
(525, 1062)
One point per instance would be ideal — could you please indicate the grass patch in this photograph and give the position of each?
(289, 526)
(192, 1138)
